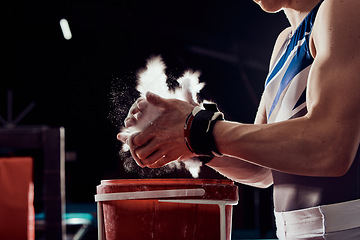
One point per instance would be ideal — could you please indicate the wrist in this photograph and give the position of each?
(198, 131)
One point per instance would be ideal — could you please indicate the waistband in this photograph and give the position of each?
(319, 220)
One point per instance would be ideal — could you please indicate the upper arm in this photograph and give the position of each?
(324, 141)
(334, 81)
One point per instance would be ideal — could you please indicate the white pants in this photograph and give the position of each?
(340, 221)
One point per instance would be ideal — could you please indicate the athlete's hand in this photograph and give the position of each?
(163, 140)
(135, 114)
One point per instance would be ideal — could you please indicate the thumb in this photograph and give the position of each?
(156, 100)
(123, 137)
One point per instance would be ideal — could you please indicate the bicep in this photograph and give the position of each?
(334, 80)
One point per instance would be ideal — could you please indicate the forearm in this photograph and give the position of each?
(299, 146)
(242, 171)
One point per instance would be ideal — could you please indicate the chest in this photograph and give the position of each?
(285, 87)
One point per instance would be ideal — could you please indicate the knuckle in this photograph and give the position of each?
(141, 155)
(136, 141)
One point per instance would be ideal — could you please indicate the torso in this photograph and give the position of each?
(285, 98)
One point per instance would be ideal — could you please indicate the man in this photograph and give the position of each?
(306, 135)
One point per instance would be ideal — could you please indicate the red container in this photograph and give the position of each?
(164, 209)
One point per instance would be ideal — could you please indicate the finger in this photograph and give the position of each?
(136, 112)
(153, 152)
(165, 159)
(147, 150)
(131, 121)
(135, 108)
(133, 150)
(142, 104)
(138, 116)
(153, 158)
(123, 137)
(144, 137)
(157, 100)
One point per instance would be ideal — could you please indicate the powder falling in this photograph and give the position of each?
(153, 78)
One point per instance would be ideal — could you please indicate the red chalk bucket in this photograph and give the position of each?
(165, 209)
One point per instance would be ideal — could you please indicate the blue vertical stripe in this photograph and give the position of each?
(301, 60)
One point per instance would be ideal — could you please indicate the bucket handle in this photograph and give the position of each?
(197, 192)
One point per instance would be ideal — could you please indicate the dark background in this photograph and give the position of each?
(86, 84)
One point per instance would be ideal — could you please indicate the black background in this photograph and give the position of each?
(86, 84)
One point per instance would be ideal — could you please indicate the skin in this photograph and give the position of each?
(321, 143)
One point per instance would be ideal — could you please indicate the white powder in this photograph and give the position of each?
(153, 78)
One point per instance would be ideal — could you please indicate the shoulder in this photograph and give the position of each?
(333, 13)
(337, 25)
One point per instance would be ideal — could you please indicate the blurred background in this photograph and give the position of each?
(87, 83)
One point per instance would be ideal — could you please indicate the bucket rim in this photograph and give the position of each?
(166, 181)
